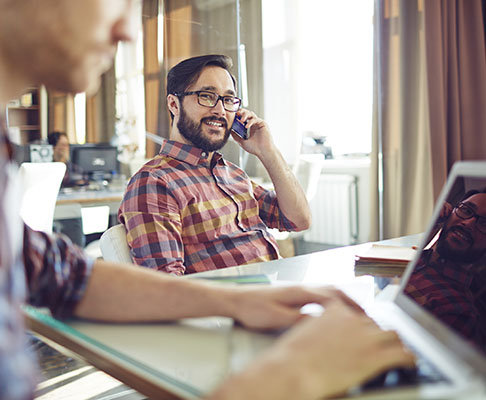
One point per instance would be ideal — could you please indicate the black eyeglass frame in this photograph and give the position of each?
(222, 98)
(481, 228)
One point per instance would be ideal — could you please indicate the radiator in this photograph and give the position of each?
(334, 211)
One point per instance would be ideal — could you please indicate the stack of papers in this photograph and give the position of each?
(383, 260)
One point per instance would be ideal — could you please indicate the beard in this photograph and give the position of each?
(193, 132)
(460, 256)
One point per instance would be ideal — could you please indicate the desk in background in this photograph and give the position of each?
(90, 198)
(83, 211)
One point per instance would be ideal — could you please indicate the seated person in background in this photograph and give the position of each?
(188, 209)
(60, 143)
(71, 227)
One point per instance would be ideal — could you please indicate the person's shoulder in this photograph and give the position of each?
(154, 171)
(160, 162)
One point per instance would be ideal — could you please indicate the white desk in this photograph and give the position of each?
(189, 358)
(70, 201)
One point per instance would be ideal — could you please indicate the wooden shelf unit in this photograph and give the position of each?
(26, 116)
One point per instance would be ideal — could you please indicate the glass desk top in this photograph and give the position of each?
(189, 358)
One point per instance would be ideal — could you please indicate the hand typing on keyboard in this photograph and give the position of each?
(324, 357)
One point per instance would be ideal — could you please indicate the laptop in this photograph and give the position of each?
(439, 308)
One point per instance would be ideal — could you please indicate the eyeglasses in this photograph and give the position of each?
(463, 211)
(210, 99)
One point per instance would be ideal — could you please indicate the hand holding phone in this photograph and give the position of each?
(239, 128)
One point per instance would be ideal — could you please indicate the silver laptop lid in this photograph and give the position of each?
(444, 287)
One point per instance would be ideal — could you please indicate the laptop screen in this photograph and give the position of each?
(449, 277)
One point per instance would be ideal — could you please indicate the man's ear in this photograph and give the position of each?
(173, 104)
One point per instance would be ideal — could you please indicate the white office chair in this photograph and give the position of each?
(40, 183)
(307, 170)
(114, 245)
(135, 164)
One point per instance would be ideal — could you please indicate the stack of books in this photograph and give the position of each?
(382, 260)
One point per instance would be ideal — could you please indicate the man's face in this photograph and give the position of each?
(460, 240)
(67, 44)
(207, 128)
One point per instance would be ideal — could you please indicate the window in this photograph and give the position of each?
(130, 98)
(318, 63)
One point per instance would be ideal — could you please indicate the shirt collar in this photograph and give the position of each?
(187, 153)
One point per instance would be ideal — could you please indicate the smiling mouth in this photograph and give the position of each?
(214, 123)
(462, 235)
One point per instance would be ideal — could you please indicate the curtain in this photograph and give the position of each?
(456, 74)
(401, 124)
(100, 112)
(152, 82)
(429, 93)
(61, 114)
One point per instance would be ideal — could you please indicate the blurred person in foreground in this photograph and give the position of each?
(66, 45)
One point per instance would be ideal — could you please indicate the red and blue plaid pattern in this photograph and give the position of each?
(185, 213)
(444, 290)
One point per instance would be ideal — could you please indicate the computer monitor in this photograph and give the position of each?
(96, 161)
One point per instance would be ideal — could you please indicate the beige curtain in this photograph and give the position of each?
(101, 110)
(456, 74)
(61, 114)
(151, 70)
(427, 114)
(178, 42)
(405, 133)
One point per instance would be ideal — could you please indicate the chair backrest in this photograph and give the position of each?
(308, 171)
(40, 183)
(135, 164)
(114, 245)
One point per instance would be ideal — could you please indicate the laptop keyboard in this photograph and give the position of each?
(424, 371)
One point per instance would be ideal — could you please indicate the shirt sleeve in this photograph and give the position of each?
(151, 215)
(269, 210)
(57, 271)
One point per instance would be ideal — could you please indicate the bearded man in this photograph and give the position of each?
(188, 209)
(449, 277)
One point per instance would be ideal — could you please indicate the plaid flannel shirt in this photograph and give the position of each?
(444, 290)
(185, 213)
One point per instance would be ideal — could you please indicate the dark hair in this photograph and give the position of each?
(184, 74)
(471, 193)
(54, 137)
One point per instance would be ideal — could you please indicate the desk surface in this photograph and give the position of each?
(189, 358)
(87, 196)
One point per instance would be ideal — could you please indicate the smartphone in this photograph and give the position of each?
(239, 128)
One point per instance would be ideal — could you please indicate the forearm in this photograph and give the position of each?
(291, 198)
(129, 293)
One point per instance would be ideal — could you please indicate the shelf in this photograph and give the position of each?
(33, 107)
(24, 116)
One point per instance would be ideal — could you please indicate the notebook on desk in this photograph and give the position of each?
(440, 308)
